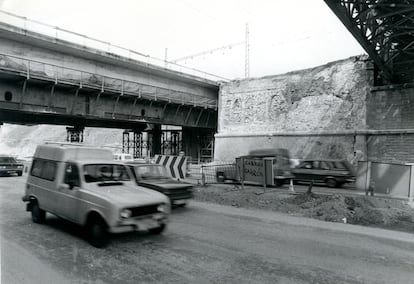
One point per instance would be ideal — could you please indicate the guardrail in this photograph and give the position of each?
(58, 74)
(66, 35)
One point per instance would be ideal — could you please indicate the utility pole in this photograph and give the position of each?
(166, 58)
(247, 54)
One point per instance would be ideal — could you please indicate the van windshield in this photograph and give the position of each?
(105, 172)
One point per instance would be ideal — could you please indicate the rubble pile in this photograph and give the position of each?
(360, 210)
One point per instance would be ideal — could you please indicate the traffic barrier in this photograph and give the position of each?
(176, 165)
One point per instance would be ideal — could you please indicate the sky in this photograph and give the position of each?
(283, 35)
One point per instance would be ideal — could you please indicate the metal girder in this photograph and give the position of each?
(385, 29)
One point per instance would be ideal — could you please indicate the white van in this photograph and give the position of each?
(86, 186)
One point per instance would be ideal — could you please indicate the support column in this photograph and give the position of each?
(138, 144)
(74, 134)
(125, 142)
(198, 143)
(155, 138)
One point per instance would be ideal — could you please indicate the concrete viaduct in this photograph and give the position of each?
(46, 80)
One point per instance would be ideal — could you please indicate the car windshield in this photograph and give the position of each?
(105, 172)
(7, 160)
(156, 171)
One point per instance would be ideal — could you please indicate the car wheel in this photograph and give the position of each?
(220, 177)
(330, 182)
(158, 230)
(20, 174)
(38, 215)
(98, 233)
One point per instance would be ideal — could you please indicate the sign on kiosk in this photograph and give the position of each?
(254, 169)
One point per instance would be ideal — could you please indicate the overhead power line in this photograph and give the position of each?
(207, 52)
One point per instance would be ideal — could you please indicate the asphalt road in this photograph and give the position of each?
(204, 243)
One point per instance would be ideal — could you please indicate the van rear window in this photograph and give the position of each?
(44, 169)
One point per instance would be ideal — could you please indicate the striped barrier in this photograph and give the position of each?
(176, 165)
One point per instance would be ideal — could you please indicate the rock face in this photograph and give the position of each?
(21, 141)
(312, 112)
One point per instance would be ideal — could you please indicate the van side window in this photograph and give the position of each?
(43, 169)
(36, 168)
(72, 175)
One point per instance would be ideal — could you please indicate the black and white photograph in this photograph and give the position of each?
(195, 141)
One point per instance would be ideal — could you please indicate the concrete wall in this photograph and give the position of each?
(314, 112)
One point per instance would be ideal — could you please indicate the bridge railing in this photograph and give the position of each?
(66, 35)
(64, 75)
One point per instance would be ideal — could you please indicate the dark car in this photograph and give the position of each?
(333, 173)
(156, 177)
(9, 165)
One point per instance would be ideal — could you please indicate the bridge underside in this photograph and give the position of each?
(385, 29)
(34, 101)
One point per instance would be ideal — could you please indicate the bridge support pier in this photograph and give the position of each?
(155, 136)
(138, 142)
(74, 134)
(195, 142)
(198, 143)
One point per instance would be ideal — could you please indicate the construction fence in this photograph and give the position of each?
(217, 172)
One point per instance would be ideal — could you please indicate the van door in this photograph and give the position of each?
(68, 202)
(42, 183)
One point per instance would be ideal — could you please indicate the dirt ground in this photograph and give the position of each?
(353, 209)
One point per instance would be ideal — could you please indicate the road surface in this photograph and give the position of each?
(205, 243)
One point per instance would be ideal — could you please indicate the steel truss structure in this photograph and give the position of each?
(385, 29)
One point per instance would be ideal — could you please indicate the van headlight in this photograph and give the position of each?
(125, 213)
(162, 208)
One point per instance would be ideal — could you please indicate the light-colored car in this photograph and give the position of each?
(85, 186)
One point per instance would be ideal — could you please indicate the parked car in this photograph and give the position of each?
(333, 173)
(85, 186)
(156, 177)
(281, 165)
(9, 165)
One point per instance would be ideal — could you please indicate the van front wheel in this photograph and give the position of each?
(98, 233)
(38, 215)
